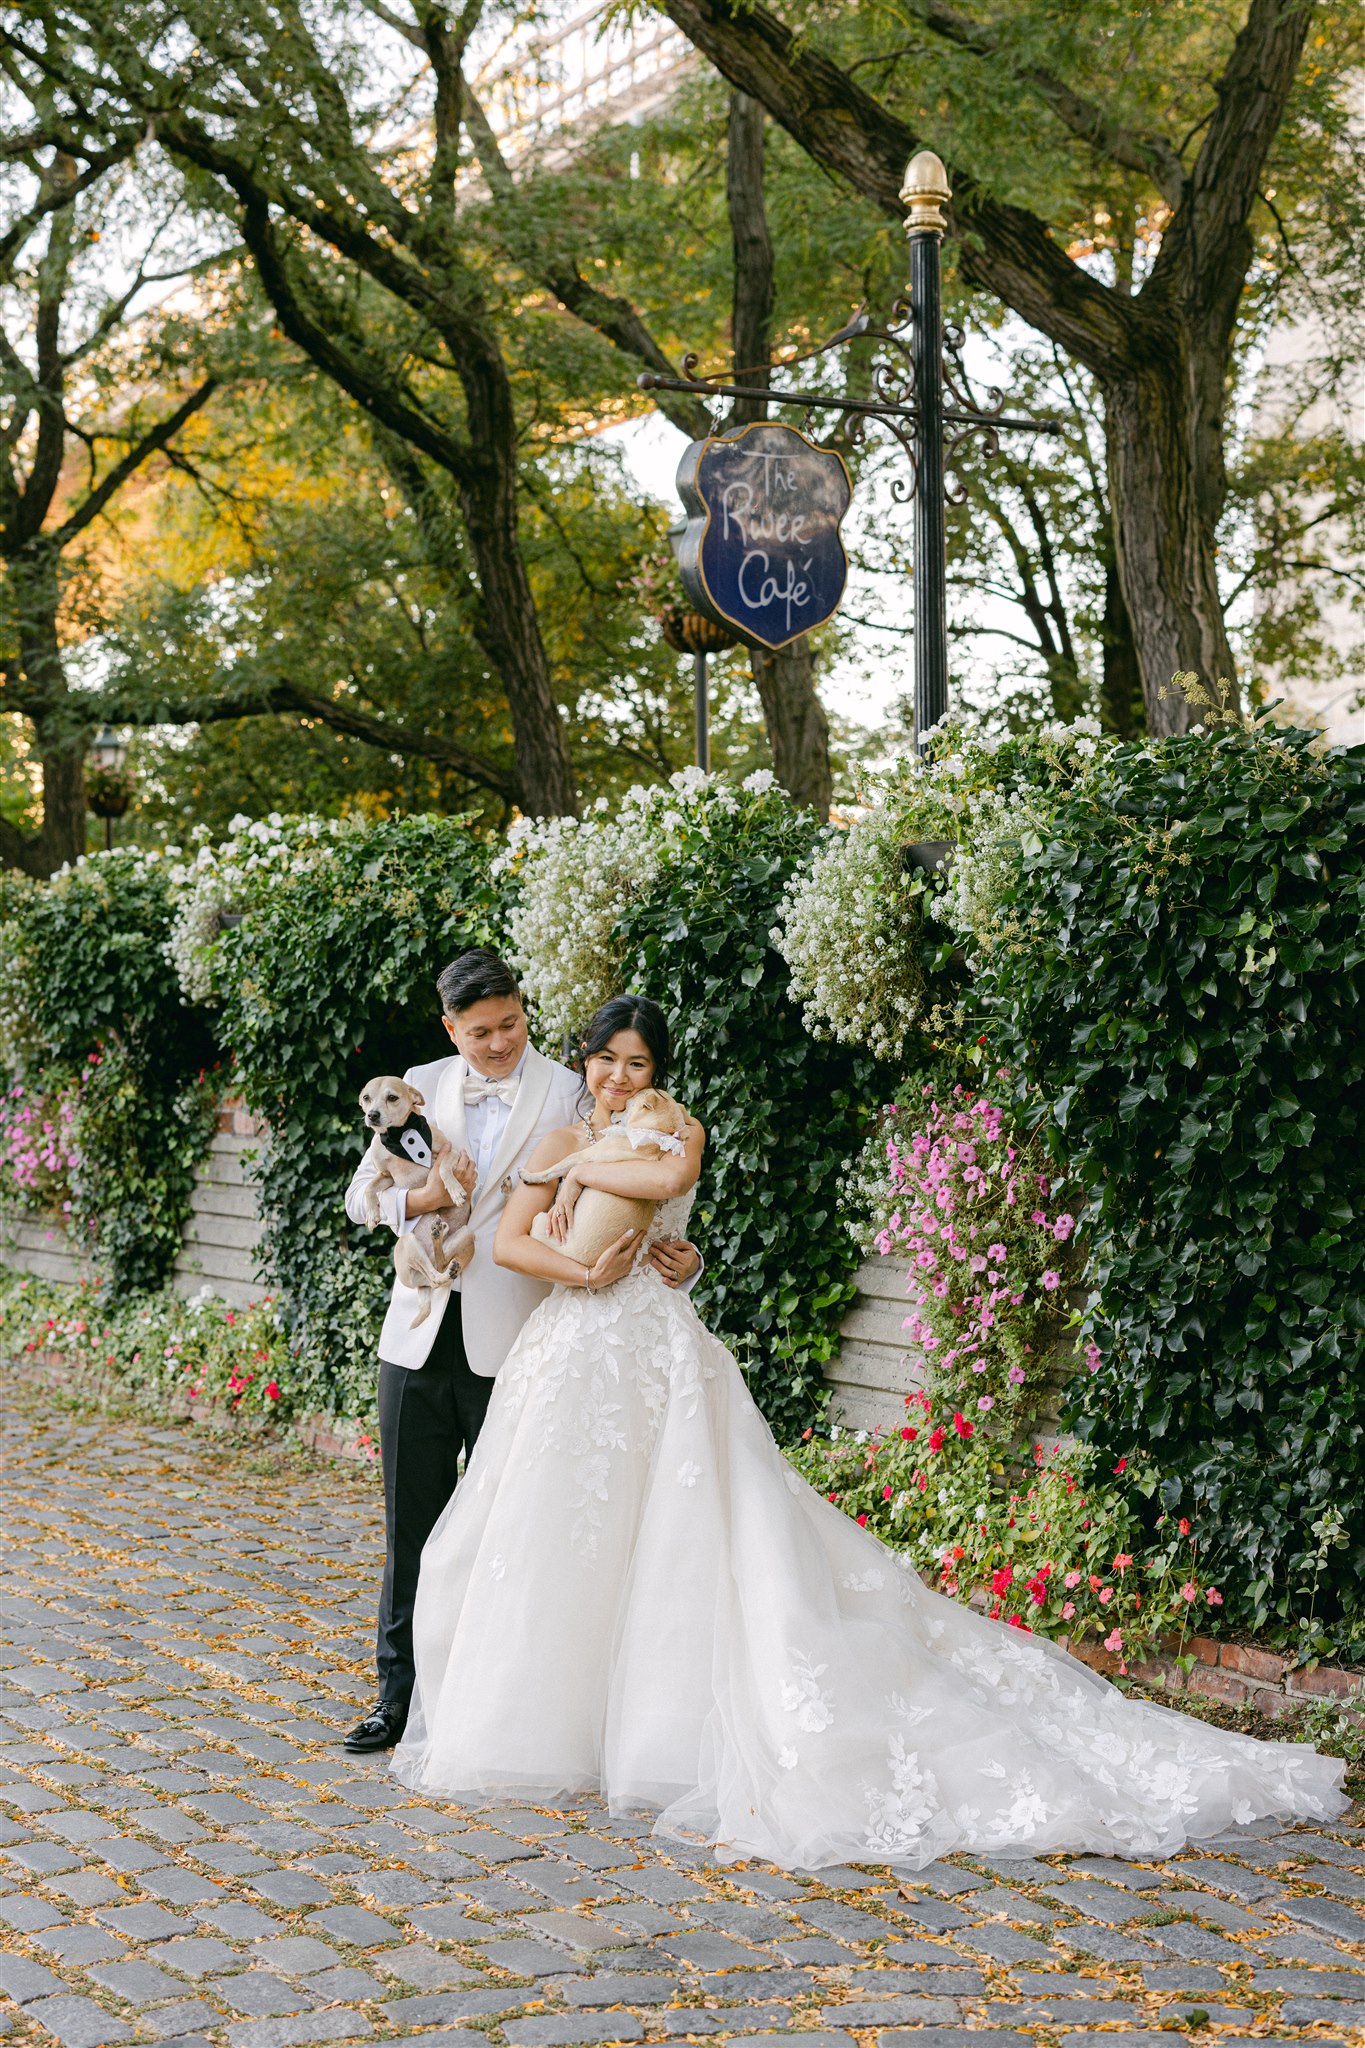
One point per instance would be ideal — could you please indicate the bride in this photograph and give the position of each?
(632, 1592)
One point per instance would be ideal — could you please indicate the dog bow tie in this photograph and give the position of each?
(478, 1089)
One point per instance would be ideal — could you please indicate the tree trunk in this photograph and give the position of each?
(1160, 354)
(61, 749)
(61, 734)
(752, 247)
(1164, 538)
(798, 729)
(507, 621)
(1122, 711)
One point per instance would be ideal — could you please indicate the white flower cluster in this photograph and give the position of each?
(577, 877)
(850, 921)
(848, 928)
(1005, 824)
(227, 877)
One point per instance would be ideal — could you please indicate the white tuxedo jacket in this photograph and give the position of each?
(497, 1301)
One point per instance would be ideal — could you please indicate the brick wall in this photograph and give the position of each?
(1239, 1673)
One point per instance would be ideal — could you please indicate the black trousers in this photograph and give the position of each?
(427, 1417)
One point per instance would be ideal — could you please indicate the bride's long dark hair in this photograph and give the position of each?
(627, 1013)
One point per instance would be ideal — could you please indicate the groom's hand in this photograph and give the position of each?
(433, 1195)
(675, 1260)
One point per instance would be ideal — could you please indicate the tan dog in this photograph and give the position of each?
(403, 1150)
(598, 1218)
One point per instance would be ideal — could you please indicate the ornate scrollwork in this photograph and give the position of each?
(954, 485)
(957, 383)
(893, 403)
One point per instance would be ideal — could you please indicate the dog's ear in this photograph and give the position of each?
(419, 1101)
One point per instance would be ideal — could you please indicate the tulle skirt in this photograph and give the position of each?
(632, 1593)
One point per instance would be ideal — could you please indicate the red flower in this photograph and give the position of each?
(1183, 1526)
(1122, 1465)
(910, 1435)
(886, 1493)
(862, 1521)
(962, 1426)
(272, 1390)
(936, 1440)
(1002, 1580)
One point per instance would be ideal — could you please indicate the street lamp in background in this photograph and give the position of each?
(107, 789)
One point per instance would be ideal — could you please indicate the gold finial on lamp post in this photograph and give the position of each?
(925, 193)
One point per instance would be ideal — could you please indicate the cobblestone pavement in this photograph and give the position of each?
(186, 1855)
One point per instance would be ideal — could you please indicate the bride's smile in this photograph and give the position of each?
(622, 1068)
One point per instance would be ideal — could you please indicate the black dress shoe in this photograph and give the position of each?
(380, 1729)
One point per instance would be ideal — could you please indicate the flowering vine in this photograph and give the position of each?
(990, 1248)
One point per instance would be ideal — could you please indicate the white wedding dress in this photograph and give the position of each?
(631, 1592)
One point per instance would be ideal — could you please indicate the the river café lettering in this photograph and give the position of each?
(762, 553)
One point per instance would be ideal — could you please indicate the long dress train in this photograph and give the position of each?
(632, 1592)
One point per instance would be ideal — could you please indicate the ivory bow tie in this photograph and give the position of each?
(477, 1088)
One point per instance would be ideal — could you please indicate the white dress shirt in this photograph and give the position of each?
(485, 1123)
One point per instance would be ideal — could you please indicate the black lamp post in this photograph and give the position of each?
(924, 194)
(106, 785)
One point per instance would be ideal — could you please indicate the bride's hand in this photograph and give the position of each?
(615, 1262)
(559, 1217)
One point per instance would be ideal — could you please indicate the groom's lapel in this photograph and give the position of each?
(536, 1077)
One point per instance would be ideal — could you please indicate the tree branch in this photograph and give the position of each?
(283, 697)
(369, 391)
(1005, 249)
(615, 319)
(1207, 244)
(153, 440)
(54, 195)
(1150, 155)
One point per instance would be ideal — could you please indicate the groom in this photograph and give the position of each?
(494, 1100)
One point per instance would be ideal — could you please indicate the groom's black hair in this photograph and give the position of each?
(473, 978)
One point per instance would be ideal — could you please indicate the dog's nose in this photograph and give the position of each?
(373, 1116)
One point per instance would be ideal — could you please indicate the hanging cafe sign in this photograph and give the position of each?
(762, 553)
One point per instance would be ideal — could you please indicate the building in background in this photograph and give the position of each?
(585, 70)
(1335, 702)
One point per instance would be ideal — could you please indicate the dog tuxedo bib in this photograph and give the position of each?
(411, 1140)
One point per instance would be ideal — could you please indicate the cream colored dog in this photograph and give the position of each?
(598, 1218)
(403, 1150)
